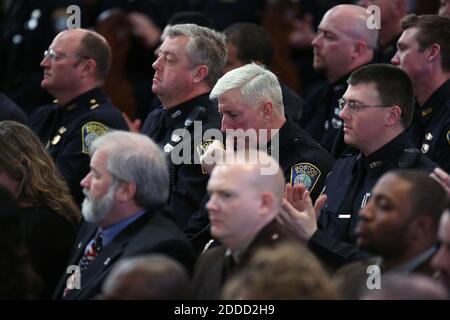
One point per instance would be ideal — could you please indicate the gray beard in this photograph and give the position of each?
(96, 210)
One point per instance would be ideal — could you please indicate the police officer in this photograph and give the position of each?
(250, 99)
(75, 66)
(424, 54)
(375, 114)
(343, 44)
(190, 60)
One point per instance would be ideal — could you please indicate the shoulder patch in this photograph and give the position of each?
(306, 174)
(448, 136)
(89, 132)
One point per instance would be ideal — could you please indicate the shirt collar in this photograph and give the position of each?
(386, 153)
(89, 99)
(436, 101)
(110, 233)
(180, 113)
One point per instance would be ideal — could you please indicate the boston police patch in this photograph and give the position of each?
(89, 132)
(306, 174)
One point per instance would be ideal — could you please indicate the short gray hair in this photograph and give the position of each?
(133, 157)
(205, 46)
(257, 84)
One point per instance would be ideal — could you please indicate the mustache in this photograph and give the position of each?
(87, 194)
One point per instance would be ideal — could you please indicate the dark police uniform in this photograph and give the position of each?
(321, 110)
(188, 181)
(68, 131)
(348, 188)
(302, 159)
(293, 103)
(430, 130)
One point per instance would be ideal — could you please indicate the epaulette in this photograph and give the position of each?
(408, 158)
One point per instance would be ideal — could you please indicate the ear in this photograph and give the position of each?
(200, 73)
(393, 116)
(267, 202)
(267, 111)
(126, 192)
(434, 52)
(359, 50)
(88, 67)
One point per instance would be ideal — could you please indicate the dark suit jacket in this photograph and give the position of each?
(212, 269)
(151, 233)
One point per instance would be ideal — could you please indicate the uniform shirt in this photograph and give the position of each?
(430, 130)
(68, 131)
(334, 241)
(302, 159)
(321, 110)
(293, 103)
(188, 182)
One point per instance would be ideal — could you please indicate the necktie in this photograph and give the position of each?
(92, 251)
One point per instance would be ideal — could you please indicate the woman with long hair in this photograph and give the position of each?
(49, 213)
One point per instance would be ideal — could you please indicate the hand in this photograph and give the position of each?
(442, 177)
(133, 126)
(213, 155)
(298, 213)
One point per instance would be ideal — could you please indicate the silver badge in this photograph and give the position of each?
(425, 148)
(168, 148)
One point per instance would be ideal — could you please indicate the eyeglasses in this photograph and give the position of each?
(55, 56)
(355, 106)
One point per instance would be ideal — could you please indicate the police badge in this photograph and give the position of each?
(89, 132)
(306, 174)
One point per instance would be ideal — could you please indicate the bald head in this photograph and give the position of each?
(344, 42)
(352, 21)
(92, 45)
(244, 198)
(262, 172)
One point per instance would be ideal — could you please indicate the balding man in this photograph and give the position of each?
(242, 209)
(125, 214)
(75, 67)
(344, 43)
